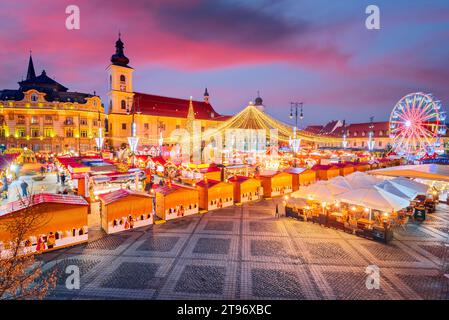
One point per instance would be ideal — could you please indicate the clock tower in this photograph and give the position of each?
(120, 81)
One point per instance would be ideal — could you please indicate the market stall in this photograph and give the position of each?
(275, 183)
(301, 177)
(246, 189)
(61, 221)
(362, 166)
(215, 194)
(124, 209)
(345, 168)
(326, 172)
(174, 201)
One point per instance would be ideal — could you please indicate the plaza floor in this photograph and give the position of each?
(244, 252)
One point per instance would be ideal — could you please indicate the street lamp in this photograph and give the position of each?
(295, 142)
(133, 140)
(99, 140)
(371, 141)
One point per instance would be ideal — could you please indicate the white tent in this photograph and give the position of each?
(397, 190)
(297, 202)
(340, 181)
(423, 171)
(419, 188)
(321, 191)
(374, 198)
(359, 180)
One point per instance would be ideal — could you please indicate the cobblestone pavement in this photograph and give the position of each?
(244, 252)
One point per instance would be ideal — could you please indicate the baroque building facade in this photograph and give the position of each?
(44, 116)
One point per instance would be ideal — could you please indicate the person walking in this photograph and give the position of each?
(24, 186)
(62, 178)
(277, 211)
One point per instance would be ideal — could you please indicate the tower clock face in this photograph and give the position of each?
(122, 87)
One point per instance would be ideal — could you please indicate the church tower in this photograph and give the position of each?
(120, 81)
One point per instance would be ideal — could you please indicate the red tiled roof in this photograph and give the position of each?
(167, 189)
(364, 127)
(322, 167)
(42, 198)
(150, 104)
(113, 196)
(210, 183)
(238, 179)
(297, 170)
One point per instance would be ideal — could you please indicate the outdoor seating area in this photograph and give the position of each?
(363, 205)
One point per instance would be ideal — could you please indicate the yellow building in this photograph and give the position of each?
(159, 120)
(42, 115)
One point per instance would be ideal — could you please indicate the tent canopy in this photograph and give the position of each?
(422, 171)
(374, 198)
(398, 190)
(321, 191)
(404, 183)
(359, 180)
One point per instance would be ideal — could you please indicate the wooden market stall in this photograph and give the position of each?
(61, 221)
(174, 201)
(215, 194)
(301, 177)
(125, 209)
(246, 189)
(345, 168)
(326, 172)
(275, 183)
(362, 166)
(212, 172)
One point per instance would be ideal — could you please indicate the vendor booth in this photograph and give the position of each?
(215, 194)
(301, 177)
(62, 222)
(345, 168)
(174, 201)
(275, 183)
(246, 189)
(326, 172)
(124, 209)
(362, 166)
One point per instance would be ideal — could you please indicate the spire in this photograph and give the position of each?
(31, 74)
(119, 57)
(206, 96)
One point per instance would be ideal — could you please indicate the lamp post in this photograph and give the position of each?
(99, 140)
(133, 140)
(371, 141)
(345, 135)
(295, 143)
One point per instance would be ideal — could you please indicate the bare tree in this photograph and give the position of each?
(21, 274)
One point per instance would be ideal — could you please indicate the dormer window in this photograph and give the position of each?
(34, 97)
(212, 114)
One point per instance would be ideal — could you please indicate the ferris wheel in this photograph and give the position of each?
(416, 124)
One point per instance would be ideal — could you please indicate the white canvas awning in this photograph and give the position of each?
(374, 198)
(423, 171)
(407, 184)
(398, 190)
(359, 180)
(320, 191)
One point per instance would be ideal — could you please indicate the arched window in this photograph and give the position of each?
(110, 82)
(122, 78)
(123, 104)
(34, 97)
